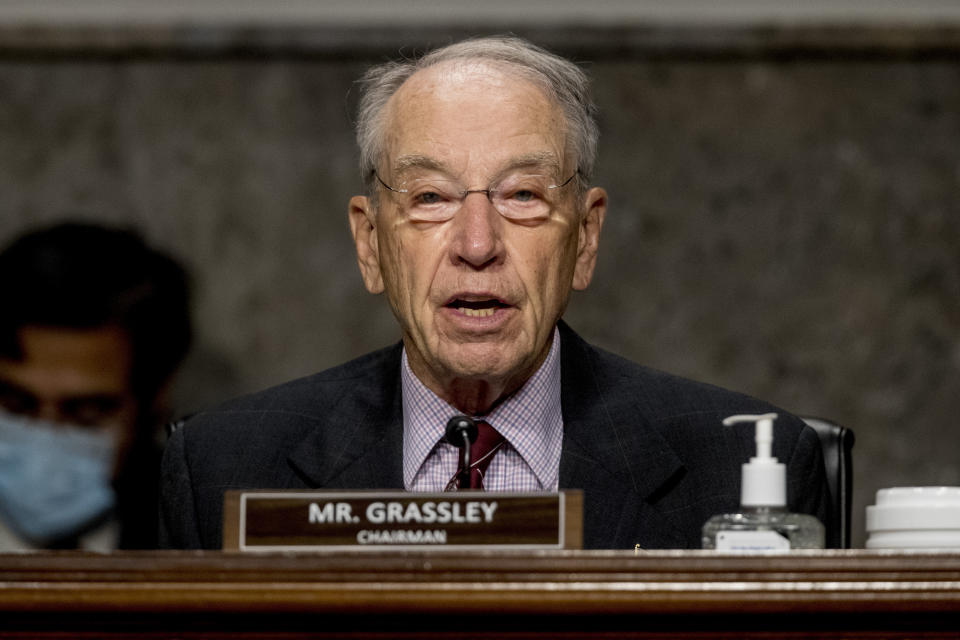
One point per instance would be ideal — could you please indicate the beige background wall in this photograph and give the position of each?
(784, 203)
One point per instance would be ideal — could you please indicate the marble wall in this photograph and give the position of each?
(783, 220)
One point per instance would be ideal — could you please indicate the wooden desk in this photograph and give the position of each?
(557, 594)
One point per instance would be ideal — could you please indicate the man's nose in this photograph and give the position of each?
(477, 232)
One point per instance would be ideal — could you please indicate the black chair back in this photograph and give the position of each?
(837, 444)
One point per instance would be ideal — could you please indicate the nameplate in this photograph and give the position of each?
(358, 520)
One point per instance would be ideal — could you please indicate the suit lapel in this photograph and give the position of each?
(611, 452)
(359, 445)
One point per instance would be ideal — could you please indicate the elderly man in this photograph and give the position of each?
(477, 223)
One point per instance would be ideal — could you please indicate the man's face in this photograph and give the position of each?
(478, 295)
(71, 376)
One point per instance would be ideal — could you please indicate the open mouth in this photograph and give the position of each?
(477, 308)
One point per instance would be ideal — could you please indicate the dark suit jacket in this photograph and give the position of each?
(647, 448)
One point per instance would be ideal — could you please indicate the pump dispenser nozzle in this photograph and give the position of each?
(763, 479)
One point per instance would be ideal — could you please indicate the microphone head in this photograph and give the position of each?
(458, 427)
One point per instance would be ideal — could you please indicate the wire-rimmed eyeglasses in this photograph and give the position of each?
(519, 196)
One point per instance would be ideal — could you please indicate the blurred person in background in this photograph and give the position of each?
(93, 325)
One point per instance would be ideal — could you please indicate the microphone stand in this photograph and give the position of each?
(461, 433)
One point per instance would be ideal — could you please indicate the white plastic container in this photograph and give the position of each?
(915, 518)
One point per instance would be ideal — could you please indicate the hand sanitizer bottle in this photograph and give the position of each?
(763, 523)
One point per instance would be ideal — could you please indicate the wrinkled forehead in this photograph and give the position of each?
(460, 76)
(469, 109)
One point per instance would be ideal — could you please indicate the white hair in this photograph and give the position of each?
(562, 80)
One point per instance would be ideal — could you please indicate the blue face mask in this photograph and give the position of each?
(54, 480)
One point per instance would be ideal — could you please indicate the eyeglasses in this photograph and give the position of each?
(522, 196)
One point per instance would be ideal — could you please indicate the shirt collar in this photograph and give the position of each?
(530, 419)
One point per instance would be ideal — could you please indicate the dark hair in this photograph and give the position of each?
(86, 276)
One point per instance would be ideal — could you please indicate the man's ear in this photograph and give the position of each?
(363, 225)
(595, 207)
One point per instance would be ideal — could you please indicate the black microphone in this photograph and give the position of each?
(461, 432)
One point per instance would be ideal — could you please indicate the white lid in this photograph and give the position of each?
(915, 509)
